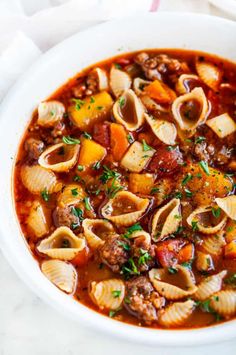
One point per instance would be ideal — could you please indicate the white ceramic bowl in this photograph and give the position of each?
(163, 30)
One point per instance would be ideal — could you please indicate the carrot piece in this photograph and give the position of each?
(119, 141)
(160, 92)
(141, 183)
(186, 253)
(230, 250)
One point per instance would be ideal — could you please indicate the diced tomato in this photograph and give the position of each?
(101, 134)
(82, 258)
(165, 161)
(174, 251)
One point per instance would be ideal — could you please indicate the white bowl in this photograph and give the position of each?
(163, 30)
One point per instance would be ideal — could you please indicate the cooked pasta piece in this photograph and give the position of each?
(62, 244)
(38, 179)
(120, 81)
(209, 286)
(61, 274)
(166, 220)
(125, 208)
(163, 130)
(59, 157)
(108, 294)
(129, 111)
(139, 86)
(37, 221)
(224, 303)
(182, 83)
(176, 314)
(203, 219)
(50, 113)
(137, 157)
(161, 280)
(71, 194)
(228, 205)
(101, 77)
(213, 244)
(96, 231)
(209, 73)
(223, 125)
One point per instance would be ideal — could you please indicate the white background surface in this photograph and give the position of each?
(29, 327)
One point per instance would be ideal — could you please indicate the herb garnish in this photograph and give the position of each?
(87, 135)
(130, 138)
(121, 102)
(78, 103)
(45, 195)
(203, 164)
(144, 257)
(146, 147)
(154, 190)
(69, 140)
(124, 245)
(87, 204)
(75, 191)
(77, 212)
(108, 174)
(186, 179)
(172, 270)
(80, 167)
(194, 226)
(116, 293)
(200, 139)
(216, 212)
(130, 230)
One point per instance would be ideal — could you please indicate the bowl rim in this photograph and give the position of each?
(46, 290)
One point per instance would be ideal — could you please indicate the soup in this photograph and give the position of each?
(125, 191)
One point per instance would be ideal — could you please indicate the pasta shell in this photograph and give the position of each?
(176, 314)
(204, 261)
(171, 291)
(54, 160)
(139, 85)
(163, 130)
(223, 125)
(165, 220)
(120, 81)
(141, 234)
(71, 194)
(61, 274)
(213, 244)
(101, 77)
(96, 230)
(209, 286)
(209, 73)
(62, 244)
(181, 85)
(108, 294)
(37, 179)
(37, 221)
(224, 303)
(228, 205)
(50, 112)
(206, 222)
(136, 159)
(151, 105)
(125, 208)
(184, 122)
(129, 111)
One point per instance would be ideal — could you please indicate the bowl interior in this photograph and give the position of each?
(163, 30)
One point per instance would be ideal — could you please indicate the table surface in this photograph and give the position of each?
(30, 327)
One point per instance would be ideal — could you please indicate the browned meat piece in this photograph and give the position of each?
(202, 151)
(157, 66)
(58, 129)
(63, 216)
(115, 252)
(165, 161)
(34, 147)
(141, 299)
(92, 83)
(79, 90)
(101, 134)
(223, 155)
(144, 253)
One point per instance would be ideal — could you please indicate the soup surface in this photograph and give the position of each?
(125, 190)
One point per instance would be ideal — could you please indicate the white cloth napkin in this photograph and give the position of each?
(29, 27)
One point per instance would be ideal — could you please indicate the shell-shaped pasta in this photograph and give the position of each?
(166, 220)
(71, 194)
(53, 160)
(50, 112)
(37, 179)
(223, 125)
(61, 274)
(139, 85)
(108, 294)
(204, 262)
(205, 221)
(163, 130)
(224, 303)
(96, 230)
(187, 125)
(125, 208)
(101, 77)
(62, 244)
(228, 205)
(209, 286)
(151, 105)
(176, 314)
(37, 221)
(213, 244)
(209, 73)
(181, 85)
(129, 111)
(168, 290)
(136, 159)
(141, 234)
(120, 81)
